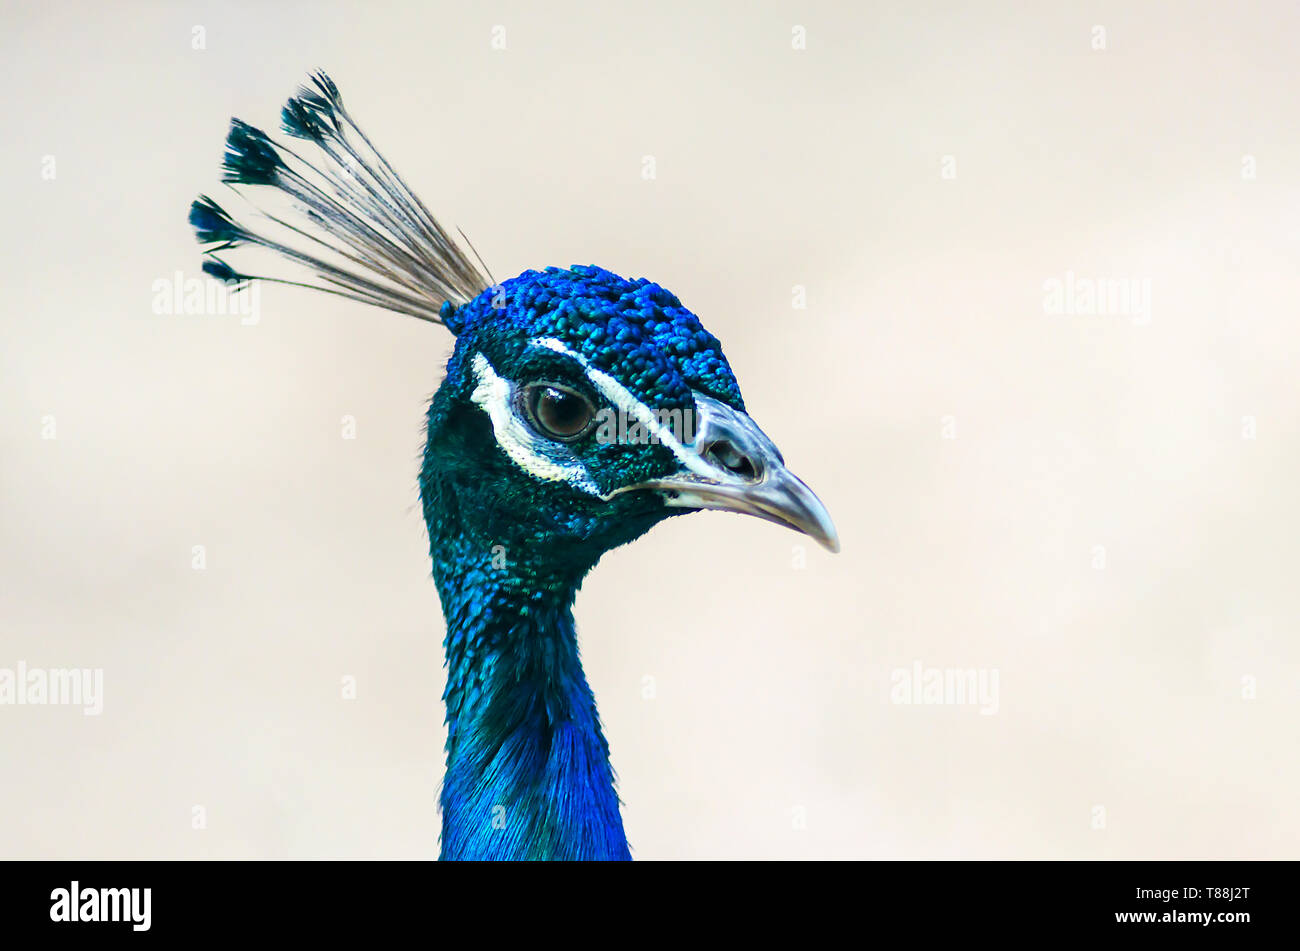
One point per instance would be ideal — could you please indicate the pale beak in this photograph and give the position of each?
(731, 466)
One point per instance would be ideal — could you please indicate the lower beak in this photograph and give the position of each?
(779, 497)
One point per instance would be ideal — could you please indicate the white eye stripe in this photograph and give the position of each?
(537, 456)
(628, 404)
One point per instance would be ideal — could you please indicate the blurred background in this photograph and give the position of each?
(890, 214)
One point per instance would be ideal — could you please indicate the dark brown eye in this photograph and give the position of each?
(557, 411)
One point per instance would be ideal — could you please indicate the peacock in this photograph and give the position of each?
(578, 409)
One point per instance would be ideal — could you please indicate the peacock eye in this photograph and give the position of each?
(558, 412)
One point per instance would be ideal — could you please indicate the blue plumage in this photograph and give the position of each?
(523, 484)
(528, 773)
(633, 329)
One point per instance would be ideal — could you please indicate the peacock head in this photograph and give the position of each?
(580, 408)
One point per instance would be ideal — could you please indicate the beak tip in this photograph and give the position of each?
(825, 535)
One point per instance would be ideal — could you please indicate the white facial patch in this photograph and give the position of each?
(539, 457)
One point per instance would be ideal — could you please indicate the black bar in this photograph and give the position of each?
(926, 899)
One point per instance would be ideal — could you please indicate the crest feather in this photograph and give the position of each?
(346, 217)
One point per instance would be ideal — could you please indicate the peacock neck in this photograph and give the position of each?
(528, 773)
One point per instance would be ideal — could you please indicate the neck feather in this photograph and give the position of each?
(528, 773)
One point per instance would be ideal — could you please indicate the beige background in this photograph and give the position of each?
(771, 732)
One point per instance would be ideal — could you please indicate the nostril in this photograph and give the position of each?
(724, 454)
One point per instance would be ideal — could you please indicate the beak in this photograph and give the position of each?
(732, 466)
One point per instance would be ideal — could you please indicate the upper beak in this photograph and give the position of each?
(732, 466)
